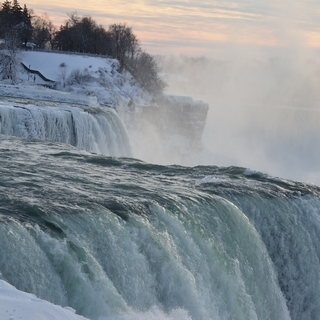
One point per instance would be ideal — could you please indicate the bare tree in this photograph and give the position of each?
(145, 70)
(124, 43)
(63, 71)
(10, 56)
(43, 31)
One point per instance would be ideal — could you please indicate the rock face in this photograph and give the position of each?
(177, 115)
(168, 131)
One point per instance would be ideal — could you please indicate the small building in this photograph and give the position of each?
(30, 45)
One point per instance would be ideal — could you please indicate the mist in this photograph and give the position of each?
(263, 115)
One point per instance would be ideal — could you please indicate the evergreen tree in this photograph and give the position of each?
(5, 17)
(15, 19)
(82, 35)
(25, 31)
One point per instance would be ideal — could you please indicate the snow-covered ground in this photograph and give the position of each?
(83, 80)
(85, 76)
(15, 305)
(48, 63)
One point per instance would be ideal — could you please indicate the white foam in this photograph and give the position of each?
(211, 179)
(95, 131)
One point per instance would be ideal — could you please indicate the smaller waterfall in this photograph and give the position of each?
(94, 130)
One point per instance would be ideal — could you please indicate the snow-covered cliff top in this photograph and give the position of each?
(85, 76)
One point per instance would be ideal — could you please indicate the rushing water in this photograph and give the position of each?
(122, 239)
(93, 129)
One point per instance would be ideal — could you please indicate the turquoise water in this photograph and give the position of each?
(117, 238)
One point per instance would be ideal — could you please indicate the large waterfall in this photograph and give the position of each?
(92, 129)
(122, 239)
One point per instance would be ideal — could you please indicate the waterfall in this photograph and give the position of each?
(94, 130)
(121, 239)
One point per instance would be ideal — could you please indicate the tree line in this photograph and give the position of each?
(21, 28)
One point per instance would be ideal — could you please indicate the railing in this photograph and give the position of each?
(37, 73)
(73, 52)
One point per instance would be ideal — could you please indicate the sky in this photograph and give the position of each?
(215, 28)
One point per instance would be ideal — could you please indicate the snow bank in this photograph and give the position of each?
(15, 304)
(48, 62)
(34, 92)
(104, 81)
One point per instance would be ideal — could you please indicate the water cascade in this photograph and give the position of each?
(122, 239)
(92, 129)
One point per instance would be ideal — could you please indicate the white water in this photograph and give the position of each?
(120, 239)
(93, 130)
(156, 265)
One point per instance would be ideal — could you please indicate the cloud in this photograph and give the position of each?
(272, 23)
